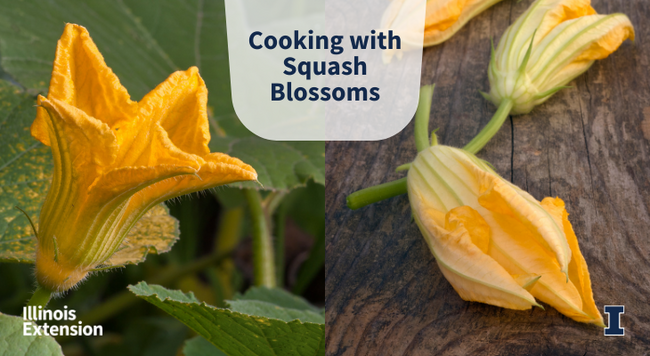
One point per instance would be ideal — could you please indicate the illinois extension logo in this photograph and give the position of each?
(614, 312)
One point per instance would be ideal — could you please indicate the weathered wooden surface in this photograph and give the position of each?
(384, 292)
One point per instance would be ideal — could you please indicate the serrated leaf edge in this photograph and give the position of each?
(204, 304)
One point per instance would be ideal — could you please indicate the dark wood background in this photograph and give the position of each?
(588, 145)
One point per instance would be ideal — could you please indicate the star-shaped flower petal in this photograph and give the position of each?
(114, 158)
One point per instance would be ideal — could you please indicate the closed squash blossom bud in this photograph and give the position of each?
(114, 158)
(548, 46)
(495, 243)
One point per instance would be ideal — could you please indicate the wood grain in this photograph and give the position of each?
(384, 292)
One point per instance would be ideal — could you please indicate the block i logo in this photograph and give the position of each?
(614, 315)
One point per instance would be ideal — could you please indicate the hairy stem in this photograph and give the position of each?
(40, 297)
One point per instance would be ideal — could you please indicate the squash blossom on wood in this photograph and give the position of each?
(114, 158)
(495, 243)
(548, 46)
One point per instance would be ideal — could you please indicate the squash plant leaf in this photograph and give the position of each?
(25, 173)
(260, 323)
(13, 342)
(199, 346)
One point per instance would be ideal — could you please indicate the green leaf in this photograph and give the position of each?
(276, 304)
(193, 33)
(237, 333)
(277, 297)
(279, 165)
(156, 232)
(256, 307)
(29, 36)
(25, 174)
(143, 44)
(199, 346)
(14, 343)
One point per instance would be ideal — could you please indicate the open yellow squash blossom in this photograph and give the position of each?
(495, 243)
(548, 46)
(114, 158)
(442, 20)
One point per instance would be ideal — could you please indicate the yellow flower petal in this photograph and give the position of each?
(471, 217)
(176, 113)
(578, 272)
(557, 12)
(527, 280)
(571, 48)
(472, 273)
(112, 193)
(114, 159)
(617, 28)
(83, 149)
(218, 169)
(81, 79)
(157, 148)
(500, 198)
(449, 179)
(445, 18)
(87, 140)
(471, 220)
(539, 19)
(183, 95)
(442, 14)
(515, 248)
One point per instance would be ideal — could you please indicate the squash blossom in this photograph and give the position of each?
(442, 20)
(548, 46)
(494, 242)
(114, 158)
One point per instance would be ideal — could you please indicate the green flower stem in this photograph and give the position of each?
(272, 202)
(422, 117)
(263, 261)
(229, 231)
(40, 297)
(404, 167)
(367, 196)
(280, 220)
(275, 212)
(491, 128)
